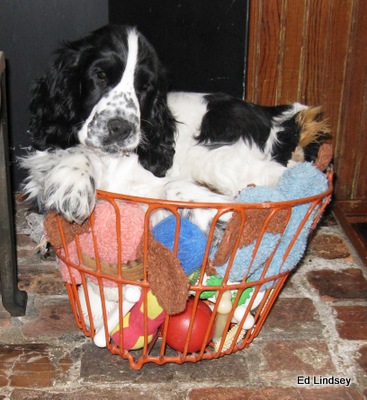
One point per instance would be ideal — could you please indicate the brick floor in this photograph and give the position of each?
(352, 322)
(349, 283)
(362, 361)
(329, 247)
(54, 319)
(317, 328)
(274, 393)
(293, 317)
(32, 365)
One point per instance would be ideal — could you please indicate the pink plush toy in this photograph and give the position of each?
(79, 244)
(133, 323)
(105, 234)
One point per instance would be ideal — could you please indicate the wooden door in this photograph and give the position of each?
(315, 52)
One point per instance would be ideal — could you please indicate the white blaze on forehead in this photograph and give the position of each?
(122, 97)
(127, 80)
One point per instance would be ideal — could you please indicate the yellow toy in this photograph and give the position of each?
(133, 323)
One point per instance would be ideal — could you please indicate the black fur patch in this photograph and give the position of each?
(228, 119)
(288, 139)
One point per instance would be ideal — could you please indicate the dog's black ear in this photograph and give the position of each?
(54, 105)
(158, 146)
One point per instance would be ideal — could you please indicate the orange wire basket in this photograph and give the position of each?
(156, 347)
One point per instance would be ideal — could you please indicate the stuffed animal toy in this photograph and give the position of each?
(167, 279)
(130, 296)
(245, 262)
(70, 229)
(165, 274)
(89, 293)
(255, 218)
(324, 157)
(300, 181)
(104, 238)
(134, 325)
(191, 242)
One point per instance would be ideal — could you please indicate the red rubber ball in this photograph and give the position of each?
(178, 327)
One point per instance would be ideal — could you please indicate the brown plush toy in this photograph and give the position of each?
(324, 157)
(167, 279)
(69, 229)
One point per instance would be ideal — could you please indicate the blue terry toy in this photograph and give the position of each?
(302, 180)
(241, 264)
(191, 245)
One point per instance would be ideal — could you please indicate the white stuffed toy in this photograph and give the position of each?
(131, 295)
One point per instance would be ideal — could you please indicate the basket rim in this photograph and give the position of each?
(102, 194)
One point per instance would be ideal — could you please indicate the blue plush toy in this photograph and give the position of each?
(302, 180)
(241, 264)
(191, 245)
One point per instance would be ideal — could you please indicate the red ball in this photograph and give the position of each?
(178, 327)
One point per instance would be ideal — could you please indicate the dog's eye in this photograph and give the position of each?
(146, 87)
(101, 75)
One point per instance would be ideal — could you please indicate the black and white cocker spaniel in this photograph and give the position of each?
(101, 118)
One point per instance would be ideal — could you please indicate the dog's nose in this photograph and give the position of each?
(119, 127)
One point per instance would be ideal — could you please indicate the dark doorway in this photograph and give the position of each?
(30, 32)
(202, 43)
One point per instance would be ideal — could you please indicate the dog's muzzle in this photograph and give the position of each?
(113, 133)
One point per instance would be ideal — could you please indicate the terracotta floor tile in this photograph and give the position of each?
(242, 393)
(330, 393)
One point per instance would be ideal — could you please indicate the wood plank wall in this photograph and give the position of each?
(315, 52)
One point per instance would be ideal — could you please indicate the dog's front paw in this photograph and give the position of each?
(70, 190)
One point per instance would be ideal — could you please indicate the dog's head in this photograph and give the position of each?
(107, 91)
